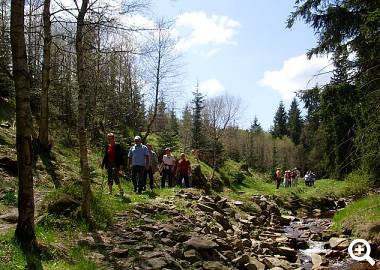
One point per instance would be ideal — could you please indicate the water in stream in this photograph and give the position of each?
(308, 232)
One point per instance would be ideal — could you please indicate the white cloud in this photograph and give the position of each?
(211, 87)
(298, 73)
(212, 52)
(204, 29)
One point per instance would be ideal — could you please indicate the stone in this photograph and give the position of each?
(167, 242)
(237, 244)
(9, 165)
(318, 260)
(200, 243)
(192, 256)
(214, 266)
(10, 217)
(222, 220)
(64, 204)
(272, 262)
(338, 243)
(229, 254)
(205, 208)
(253, 262)
(289, 253)
(246, 242)
(241, 260)
(156, 263)
(120, 252)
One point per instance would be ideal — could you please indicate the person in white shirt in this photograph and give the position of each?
(168, 166)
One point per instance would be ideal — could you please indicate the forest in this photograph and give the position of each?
(72, 72)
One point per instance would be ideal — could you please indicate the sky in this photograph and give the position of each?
(243, 48)
(236, 47)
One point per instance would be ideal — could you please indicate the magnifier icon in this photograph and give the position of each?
(356, 251)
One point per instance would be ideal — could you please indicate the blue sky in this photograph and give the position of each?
(242, 48)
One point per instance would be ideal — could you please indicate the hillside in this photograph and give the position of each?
(241, 227)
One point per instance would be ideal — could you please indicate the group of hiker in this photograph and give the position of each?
(290, 178)
(143, 163)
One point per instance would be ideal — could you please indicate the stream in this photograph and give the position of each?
(307, 234)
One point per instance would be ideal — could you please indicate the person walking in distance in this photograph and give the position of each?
(168, 164)
(183, 170)
(152, 167)
(138, 161)
(113, 162)
(278, 177)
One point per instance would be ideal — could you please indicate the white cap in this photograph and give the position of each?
(137, 138)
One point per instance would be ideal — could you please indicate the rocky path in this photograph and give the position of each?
(200, 232)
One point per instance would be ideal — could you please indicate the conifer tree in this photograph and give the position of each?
(197, 136)
(294, 122)
(279, 122)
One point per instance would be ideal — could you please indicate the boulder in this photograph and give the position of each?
(10, 217)
(205, 208)
(255, 264)
(200, 243)
(192, 256)
(9, 165)
(222, 220)
(120, 252)
(64, 204)
(155, 263)
(214, 266)
(338, 243)
(288, 252)
(241, 260)
(272, 262)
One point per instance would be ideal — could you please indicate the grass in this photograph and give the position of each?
(11, 256)
(361, 218)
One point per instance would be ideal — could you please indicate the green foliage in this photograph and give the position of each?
(279, 128)
(360, 218)
(197, 128)
(294, 124)
(345, 28)
(10, 197)
(11, 256)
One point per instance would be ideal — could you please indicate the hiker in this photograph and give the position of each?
(309, 178)
(287, 176)
(138, 161)
(292, 178)
(152, 167)
(167, 168)
(278, 177)
(297, 174)
(183, 171)
(113, 162)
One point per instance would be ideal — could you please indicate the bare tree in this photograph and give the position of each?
(82, 91)
(162, 65)
(25, 223)
(220, 112)
(44, 106)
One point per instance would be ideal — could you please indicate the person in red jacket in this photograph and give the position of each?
(113, 162)
(183, 170)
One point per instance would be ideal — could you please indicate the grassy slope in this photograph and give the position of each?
(361, 218)
(60, 233)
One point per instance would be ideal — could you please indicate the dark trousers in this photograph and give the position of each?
(138, 177)
(278, 182)
(149, 172)
(167, 173)
(185, 177)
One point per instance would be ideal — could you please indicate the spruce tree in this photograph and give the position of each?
(279, 122)
(197, 136)
(294, 122)
(256, 127)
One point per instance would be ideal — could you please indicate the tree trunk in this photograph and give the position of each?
(44, 117)
(82, 136)
(25, 223)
